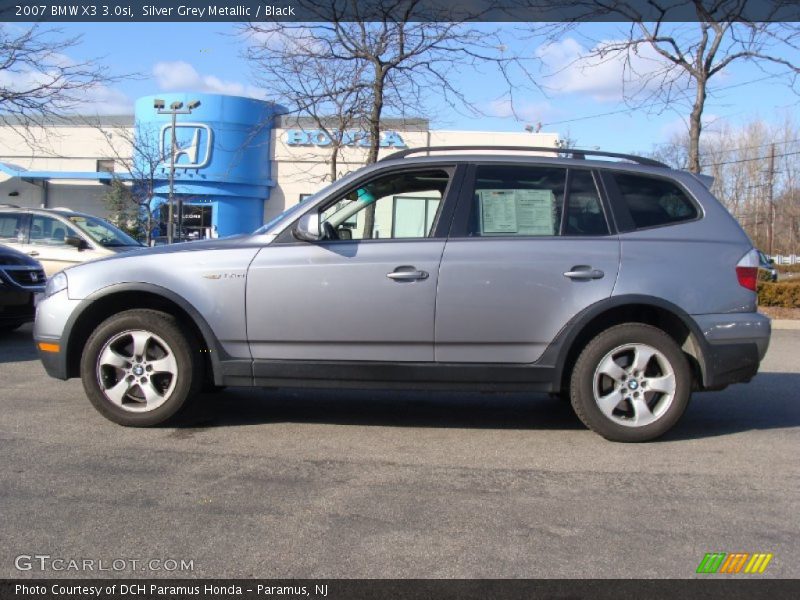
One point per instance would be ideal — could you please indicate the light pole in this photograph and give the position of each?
(175, 109)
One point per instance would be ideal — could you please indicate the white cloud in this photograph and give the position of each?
(108, 101)
(524, 111)
(181, 76)
(578, 70)
(97, 99)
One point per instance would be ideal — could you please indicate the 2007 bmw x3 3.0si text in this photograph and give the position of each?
(619, 285)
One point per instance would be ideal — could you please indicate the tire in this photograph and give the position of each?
(140, 390)
(613, 396)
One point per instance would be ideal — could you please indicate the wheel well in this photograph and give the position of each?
(666, 321)
(104, 307)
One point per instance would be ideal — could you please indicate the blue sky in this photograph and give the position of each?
(582, 103)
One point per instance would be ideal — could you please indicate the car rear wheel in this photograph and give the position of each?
(631, 383)
(139, 369)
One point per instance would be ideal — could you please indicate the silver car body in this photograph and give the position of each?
(491, 312)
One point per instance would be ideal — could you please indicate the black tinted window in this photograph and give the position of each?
(654, 202)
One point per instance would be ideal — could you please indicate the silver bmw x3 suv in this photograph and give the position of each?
(620, 285)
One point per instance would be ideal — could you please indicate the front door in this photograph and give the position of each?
(47, 243)
(367, 292)
(530, 249)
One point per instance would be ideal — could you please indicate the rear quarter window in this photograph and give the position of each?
(653, 202)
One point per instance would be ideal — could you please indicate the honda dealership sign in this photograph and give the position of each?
(318, 137)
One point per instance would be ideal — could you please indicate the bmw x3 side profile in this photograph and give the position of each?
(620, 285)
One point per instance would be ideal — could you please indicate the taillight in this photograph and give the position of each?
(747, 270)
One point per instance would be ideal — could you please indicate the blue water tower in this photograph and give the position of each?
(222, 158)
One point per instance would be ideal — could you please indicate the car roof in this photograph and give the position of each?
(63, 212)
(532, 159)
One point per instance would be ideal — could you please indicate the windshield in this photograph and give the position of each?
(102, 232)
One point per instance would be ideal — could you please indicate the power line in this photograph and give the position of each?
(738, 149)
(628, 110)
(743, 160)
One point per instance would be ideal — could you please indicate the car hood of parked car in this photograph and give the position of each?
(11, 257)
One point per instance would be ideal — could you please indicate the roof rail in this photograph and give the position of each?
(574, 152)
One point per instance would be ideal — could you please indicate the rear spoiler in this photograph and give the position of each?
(706, 180)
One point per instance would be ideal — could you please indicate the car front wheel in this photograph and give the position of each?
(139, 369)
(631, 383)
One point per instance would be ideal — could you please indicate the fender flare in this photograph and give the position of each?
(557, 352)
(217, 353)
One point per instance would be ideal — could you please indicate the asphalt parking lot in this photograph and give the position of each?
(366, 484)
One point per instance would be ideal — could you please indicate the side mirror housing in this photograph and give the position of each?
(79, 243)
(307, 228)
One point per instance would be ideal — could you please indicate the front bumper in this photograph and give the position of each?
(735, 344)
(53, 322)
(16, 307)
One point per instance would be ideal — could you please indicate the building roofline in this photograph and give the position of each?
(70, 121)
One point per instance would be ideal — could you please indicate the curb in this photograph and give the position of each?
(785, 324)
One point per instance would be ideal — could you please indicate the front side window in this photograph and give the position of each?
(47, 231)
(397, 206)
(102, 232)
(653, 202)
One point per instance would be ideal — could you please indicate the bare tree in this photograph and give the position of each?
(315, 87)
(38, 81)
(684, 59)
(394, 64)
(756, 170)
(138, 151)
(390, 60)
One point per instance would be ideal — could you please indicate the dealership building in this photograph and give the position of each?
(238, 161)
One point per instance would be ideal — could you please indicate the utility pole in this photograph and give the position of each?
(175, 109)
(770, 197)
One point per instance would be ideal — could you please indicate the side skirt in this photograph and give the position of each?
(411, 376)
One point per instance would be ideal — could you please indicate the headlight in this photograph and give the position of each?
(55, 284)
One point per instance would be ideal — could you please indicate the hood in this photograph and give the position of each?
(241, 240)
(15, 258)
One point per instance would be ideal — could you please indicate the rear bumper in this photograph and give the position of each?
(735, 344)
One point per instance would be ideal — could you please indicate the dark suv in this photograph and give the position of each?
(21, 278)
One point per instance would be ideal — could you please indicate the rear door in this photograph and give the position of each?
(530, 248)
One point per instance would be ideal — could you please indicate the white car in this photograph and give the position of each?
(60, 238)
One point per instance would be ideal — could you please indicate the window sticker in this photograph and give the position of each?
(523, 212)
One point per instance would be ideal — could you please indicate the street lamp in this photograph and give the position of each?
(175, 109)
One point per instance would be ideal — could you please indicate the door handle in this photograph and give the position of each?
(33, 253)
(584, 272)
(407, 274)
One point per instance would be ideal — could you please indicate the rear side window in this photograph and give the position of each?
(653, 202)
(524, 201)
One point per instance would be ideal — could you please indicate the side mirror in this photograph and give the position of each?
(772, 261)
(307, 228)
(345, 233)
(79, 243)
